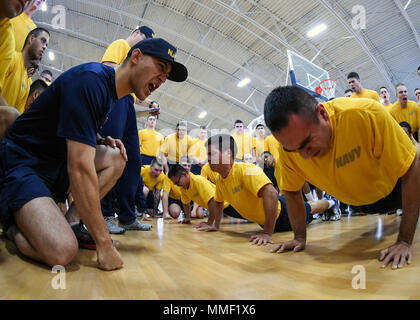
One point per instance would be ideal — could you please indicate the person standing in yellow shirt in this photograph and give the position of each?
(16, 84)
(23, 24)
(259, 145)
(358, 91)
(385, 98)
(150, 141)
(8, 10)
(417, 94)
(176, 145)
(243, 140)
(406, 110)
(353, 150)
(198, 152)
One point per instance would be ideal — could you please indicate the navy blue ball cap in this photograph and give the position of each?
(160, 48)
(148, 32)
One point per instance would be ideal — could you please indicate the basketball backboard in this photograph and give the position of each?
(305, 74)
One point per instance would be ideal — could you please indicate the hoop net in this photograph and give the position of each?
(328, 87)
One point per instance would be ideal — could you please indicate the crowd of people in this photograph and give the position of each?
(75, 168)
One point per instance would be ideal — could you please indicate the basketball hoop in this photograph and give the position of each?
(327, 87)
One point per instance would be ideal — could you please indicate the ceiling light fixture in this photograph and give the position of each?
(44, 7)
(51, 55)
(317, 30)
(202, 114)
(244, 82)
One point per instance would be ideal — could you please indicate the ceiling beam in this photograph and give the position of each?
(381, 66)
(410, 23)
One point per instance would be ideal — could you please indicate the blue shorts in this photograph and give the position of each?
(282, 222)
(24, 177)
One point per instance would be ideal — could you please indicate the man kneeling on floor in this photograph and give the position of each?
(54, 144)
(250, 193)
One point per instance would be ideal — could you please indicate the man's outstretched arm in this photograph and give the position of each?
(297, 216)
(402, 250)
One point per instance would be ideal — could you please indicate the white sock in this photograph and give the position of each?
(331, 203)
(309, 196)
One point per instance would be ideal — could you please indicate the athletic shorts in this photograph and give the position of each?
(172, 201)
(391, 202)
(282, 222)
(24, 177)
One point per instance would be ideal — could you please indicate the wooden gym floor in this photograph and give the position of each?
(177, 262)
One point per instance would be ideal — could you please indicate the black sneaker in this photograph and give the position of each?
(83, 236)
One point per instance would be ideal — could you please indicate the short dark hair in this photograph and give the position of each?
(203, 128)
(406, 125)
(46, 71)
(39, 85)
(282, 102)
(353, 75)
(348, 90)
(176, 170)
(416, 89)
(151, 104)
(157, 161)
(36, 32)
(238, 121)
(181, 123)
(223, 142)
(260, 125)
(383, 88)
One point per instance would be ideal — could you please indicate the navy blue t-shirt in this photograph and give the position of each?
(73, 107)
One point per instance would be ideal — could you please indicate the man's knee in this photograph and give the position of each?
(108, 157)
(63, 252)
(8, 115)
(174, 211)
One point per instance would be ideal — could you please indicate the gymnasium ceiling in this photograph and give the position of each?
(223, 41)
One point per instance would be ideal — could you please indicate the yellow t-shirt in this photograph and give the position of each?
(240, 188)
(368, 152)
(201, 191)
(116, 53)
(243, 143)
(150, 141)
(16, 84)
(273, 146)
(174, 191)
(150, 181)
(174, 148)
(410, 114)
(366, 93)
(7, 48)
(209, 174)
(388, 107)
(259, 145)
(22, 25)
(198, 149)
